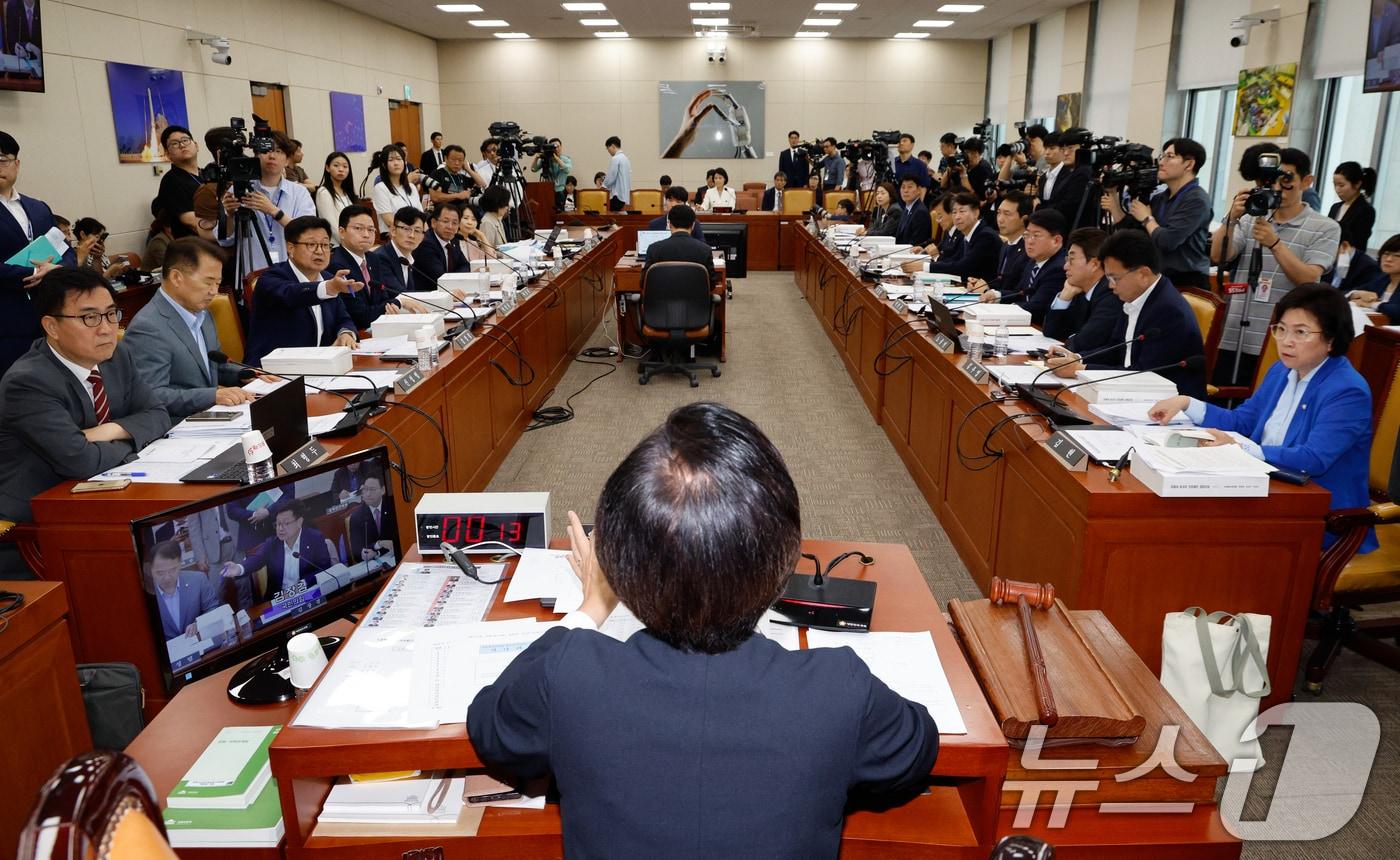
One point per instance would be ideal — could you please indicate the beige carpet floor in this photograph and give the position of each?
(783, 373)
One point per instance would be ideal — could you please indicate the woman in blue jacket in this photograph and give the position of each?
(1312, 412)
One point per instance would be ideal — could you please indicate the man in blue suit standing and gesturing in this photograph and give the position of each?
(295, 553)
(297, 303)
(22, 219)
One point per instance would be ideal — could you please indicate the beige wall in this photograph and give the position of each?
(68, 146)
(582, 91)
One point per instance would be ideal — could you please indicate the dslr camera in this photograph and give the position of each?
(1265, 198)
(232, 165)
(1019, 146)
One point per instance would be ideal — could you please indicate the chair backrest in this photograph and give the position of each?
(98, 805)
(1385, 445)
(1210, 316)
(676, 297)
(797, 200)
(226, 324)
(867, 200)
(648, 200)
(831, 198)
(755, 186)
(250, 283)
(1268, 357)
(593, 200)
(748, 199)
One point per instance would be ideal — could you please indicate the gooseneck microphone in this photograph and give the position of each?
(1137, 338)
(360, 407)
(1194, 362)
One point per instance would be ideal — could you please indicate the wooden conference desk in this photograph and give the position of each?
(627, 282)
(971, 804)
(86, 539)
(770, 240)
(1117, 547)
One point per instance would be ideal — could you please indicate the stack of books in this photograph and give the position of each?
(308, 361)
(1123, 386)
(228, 797)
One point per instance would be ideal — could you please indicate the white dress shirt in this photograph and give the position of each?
(321, 293)
(77, 370)
(714, 197)
(291, 565)
(1134, 309)
(1050, 178)
(17, 210)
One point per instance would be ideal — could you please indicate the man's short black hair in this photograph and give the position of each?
(293, 506)
(908, 178)
(451, 148)
(172, 129)
(8, 145)
(1188, 149)
(974, 144)
(494, 198)
(699, 527)
(678, 194)
(167, 549)
(353, 210)
(411, 216)
(949, 138)
(442, 209)
(1050, 220)
(830, 140)
(709, 174)
(681, 216)
(1296, 159)
(1132, 249)
(1328, 306)
(968, 200)
(488, 143)
(1249, 161)
(282, 142)
(926, 155)
(794, 131)
(846, 205)
(435, 135)
(52, 291)
(187, 252)
(1003, 150)
(1037, 131)
(613, 141)
(1050, 139)
(666, 179)
(571, 180)
(556, 141)
(906, 136)
(1024, 203)
(1089, 240)
(780, 173)
(297, 227)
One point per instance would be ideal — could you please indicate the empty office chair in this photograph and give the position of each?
(99, 805)
(1210, 316)
(1348, 581)
(831, 198)
(227, 324)
(748, 200)
(755, 186)
(647, 201)
(797, 200)
(677, 312)
(593, 200)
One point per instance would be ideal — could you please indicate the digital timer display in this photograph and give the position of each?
(465, 529)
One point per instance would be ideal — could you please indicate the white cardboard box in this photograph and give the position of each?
(393, 325)
(1184, 485)
(995, 314)
(309, 361)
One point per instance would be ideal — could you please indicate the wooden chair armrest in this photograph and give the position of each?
(1351, 525)
(1386, 512)
(1231, 392)
(1345, 520)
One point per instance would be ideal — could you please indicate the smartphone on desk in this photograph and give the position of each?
(101, 486)
(213, 417)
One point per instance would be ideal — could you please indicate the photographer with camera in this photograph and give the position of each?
(1025, 153)
(1068, 191)
(1177, 217)
(483, 170)
(274, 200)
(973, 174)
(553, 165)
(1286, 242)
(905, 164)
(832, 167)
(451, 183)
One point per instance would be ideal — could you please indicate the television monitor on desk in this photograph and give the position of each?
(646, 237)
(234, 575)
(733, 239)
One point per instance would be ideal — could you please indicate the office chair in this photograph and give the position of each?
(1210, 316)
(98, 805)
(796, 201)
(677, 312)
(748, 200)
(593, 201)
(647, 201)
(228, 326)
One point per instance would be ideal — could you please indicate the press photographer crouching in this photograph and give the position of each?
(1177, 216)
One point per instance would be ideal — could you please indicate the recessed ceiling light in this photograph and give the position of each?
(709, 7)
(933, 23)
(960, 7)
(911, 35)
(599, 22)
(710, 22)
(712, 35)
(611, 34)
(488, 22)
(836, 7)
(511, 35)
(811, 34)
(459, 7)
(821, 22)
(584, 7)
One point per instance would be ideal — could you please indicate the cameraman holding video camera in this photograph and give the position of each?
(971, 172)
(1025, 153)
(272, 198)
(1281, 243)
(1177, 217)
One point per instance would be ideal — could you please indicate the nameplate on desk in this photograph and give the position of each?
(507, 302)
(463, 340)
(943, 343)
(305, 456)
(408, 381)
(900, 307)
(1070, 454)
(974, 369)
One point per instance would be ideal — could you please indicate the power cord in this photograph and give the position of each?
(549, 416)
(10, 602)
(819, 573)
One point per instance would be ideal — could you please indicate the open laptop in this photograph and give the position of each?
(281, 416)
(646, 237)
(552, 240)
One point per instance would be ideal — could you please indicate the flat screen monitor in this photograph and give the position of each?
(237, 574)
(22, 45)
(646, 237)
(733, 240)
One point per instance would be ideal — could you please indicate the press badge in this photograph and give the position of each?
(1266, 286)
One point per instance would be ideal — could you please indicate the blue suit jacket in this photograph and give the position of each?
(1329, 437)
(197, 597)
(660, 752)
(281, 315)
(1039, 296)
(915, 226)
(1178, 337)
(311, 544)
(974, 257)
(19, 324)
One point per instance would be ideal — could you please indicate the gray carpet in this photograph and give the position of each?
(783, 373)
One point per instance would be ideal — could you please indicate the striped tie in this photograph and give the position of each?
(99, 397)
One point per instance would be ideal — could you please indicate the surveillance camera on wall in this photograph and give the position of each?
(220, 44)
(1249, 22)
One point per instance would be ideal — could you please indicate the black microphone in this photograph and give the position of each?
(359, 408)
(1138, 338)
(296, 554)
(507, 259)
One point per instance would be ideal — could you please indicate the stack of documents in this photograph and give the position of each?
(994, 314)
(221, 429)
(307, 360)
(390, 325)
(165, 461)
(1024, 374)
(1224, 470)
(1120, 386)
(396, 348)
(360, 380)
(228, 798)
(1125, 414)
(424, 800)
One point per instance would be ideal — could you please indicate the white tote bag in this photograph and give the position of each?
(1215, 666)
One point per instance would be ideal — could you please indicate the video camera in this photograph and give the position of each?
(874, 149)
(1265, 198)
(514, 143)
(1021, 176)
(1116, 163)
(1020, 146)
(231, 165)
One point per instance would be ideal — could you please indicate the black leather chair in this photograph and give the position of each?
(677, 312)
(98, 806)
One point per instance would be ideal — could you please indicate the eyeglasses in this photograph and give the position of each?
(412, 231)
(94, 319)
(179, 141)
(1299, 334)
(315, 246)
(1116, 278)
(8, 159)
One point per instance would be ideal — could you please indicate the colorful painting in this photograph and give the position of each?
(348, 121)
(1067, 110)
(145, 101)
(1265, 101)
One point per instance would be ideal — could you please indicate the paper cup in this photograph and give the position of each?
(306, 658)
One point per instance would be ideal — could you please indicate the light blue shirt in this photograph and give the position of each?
(619, 178)
(1276, 428)
(195, 323)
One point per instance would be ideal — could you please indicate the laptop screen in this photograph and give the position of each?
(646, 237)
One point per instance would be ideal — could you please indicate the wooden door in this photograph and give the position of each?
(270, 103)
(406, 124)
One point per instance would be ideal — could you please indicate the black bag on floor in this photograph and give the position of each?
(113, 697)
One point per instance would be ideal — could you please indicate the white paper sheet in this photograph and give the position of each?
(1024, 374)
(433, 595)
(538, 574)
(908, 663)
(1124, 414)
(318, 424)
(1215, 460)
(148, 473)
(378, 345)
(1104, 446)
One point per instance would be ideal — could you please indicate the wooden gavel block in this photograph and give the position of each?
(1039, 596)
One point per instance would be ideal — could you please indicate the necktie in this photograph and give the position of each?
(364, 271)
(1035, 273)
(99, 397)
(403, 261)
(376, 519)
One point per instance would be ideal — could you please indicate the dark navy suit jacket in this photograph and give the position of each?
(973, 256)
(915, 227)
(1036, 290)
(431, 261)
(362, 530)
(797, 169)
(1012, 263)
(1088, 322)
(660, 752)
(1178, 337)
(19, 324)
(281, 315)
(311, 545)
(659, 223)
(367, 305)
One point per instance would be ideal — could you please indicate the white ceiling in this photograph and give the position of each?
(547, 19)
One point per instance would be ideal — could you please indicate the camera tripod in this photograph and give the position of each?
(518, 223)
(245, 225)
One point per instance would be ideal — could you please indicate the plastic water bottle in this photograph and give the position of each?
(974, 340)
(427, 334)
(558, 260)
(257, 457)
(1002, 347)
(425, 352)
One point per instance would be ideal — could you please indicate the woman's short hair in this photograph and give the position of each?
(698, 528)
(1328, 306)
(494, 198)
(720, 171)
(1389, 246)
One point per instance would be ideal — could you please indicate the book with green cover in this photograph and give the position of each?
(257, 826)
(230, 773)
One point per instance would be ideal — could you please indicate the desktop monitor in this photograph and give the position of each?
(237, 574)
(733, 239)
(646, 237)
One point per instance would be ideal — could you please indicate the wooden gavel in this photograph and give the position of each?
(1028, 596)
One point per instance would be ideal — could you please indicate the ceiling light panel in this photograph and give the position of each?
(511, 35)
(488, 22)
(836, 7)
(811, 34)
(911, 35)
(958, 8)
(709, 7)
(459, 7)
(599, 22)
(933, 23)
(822, 22)
(710, 21)
(584, 7)
(611, 34)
